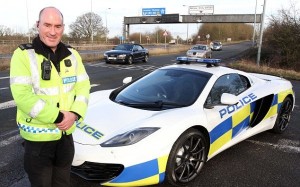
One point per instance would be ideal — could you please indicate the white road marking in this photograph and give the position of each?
(4, 88)
(10, 140)
(94, 85)
(288, 146)
(4, 77)
(2, 164)
(125, 67)
(8, 104)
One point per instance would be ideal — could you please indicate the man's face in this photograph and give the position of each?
(50, 27)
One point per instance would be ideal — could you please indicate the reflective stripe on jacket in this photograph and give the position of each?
(39, 101)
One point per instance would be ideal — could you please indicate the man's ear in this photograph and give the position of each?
(37, 24)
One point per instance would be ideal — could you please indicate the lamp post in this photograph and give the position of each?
(187, 28)
(261, 33)
(254, 25)
(27, 22)
(92, 37)
(106, 24)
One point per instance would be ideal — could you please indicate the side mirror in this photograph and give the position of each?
(127, 80)
(229, 99)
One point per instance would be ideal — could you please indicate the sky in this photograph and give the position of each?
(20, 15)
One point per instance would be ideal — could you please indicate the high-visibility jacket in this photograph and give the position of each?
(39, 101)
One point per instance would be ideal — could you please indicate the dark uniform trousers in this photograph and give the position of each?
(48, 164)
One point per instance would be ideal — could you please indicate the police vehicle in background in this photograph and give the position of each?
(164, 127)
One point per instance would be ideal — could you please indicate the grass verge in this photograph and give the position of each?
(251, 66)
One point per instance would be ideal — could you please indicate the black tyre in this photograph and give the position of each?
(187, 157)
(146, 58)
(284, 116)
(130, 60)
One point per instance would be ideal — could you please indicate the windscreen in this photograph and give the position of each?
(124, 47)
(164, 88)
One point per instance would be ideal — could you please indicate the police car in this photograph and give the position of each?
(164, 127)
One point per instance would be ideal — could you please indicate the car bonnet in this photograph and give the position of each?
(106, 119)
(197, 50)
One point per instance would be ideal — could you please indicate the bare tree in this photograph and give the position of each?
(33, 31)
(5, 31)
(87, 25)
(282, 38)
(222, 31)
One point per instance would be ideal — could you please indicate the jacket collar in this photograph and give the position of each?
(42, 49)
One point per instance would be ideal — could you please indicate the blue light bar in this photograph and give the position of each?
(211, 61)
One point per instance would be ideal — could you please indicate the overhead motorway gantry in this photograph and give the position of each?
(177, 19)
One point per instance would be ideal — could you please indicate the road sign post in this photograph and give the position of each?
(165, 35)
(207, 37)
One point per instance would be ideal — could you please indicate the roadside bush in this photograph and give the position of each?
(282, 38)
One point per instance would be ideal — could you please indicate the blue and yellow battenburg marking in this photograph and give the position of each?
(277, 102)
(231, 108)
(89, 130)
(229, 128)
(240, 120)
(146, 173)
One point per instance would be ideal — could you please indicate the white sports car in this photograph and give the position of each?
(164, 126)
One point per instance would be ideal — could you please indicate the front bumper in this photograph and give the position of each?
(196, 55)
(97, 172)
(115, 59)
(216, 48)
(119, 166)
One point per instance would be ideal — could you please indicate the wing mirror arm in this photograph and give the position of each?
(226, 99)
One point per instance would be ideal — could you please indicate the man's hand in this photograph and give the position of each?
(68, 120)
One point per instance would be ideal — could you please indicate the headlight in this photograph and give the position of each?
(130, 137)
(122, 56)
(105, 55)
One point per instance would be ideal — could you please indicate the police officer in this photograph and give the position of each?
(51, 89)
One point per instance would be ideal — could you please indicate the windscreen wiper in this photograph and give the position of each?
(155, 104)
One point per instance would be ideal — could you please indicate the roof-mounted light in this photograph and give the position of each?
(208, 61)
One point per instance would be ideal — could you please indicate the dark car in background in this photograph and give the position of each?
(126, 54)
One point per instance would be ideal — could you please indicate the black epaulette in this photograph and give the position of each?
(68, 46)
(26, 46)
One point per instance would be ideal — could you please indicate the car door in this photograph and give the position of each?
(137, 52)
(227, 122)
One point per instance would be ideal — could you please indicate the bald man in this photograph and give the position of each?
(51, 89)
